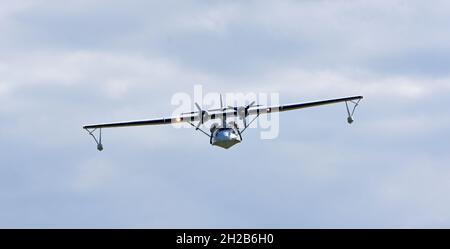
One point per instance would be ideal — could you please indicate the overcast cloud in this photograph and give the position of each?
(68, 63)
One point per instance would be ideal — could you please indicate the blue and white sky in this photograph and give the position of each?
(67, 63)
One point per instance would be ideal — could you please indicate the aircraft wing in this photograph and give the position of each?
(158, 121)
(290, 107)
(194, 116)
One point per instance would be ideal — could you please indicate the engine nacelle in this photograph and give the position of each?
(241, 112)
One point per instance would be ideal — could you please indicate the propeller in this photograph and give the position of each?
(203, 116)
(242, 111)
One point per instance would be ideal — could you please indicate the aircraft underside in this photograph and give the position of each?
(225, 137)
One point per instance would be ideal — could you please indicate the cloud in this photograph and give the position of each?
(94, 174)
(63, 65)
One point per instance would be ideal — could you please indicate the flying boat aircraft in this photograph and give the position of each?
(223, 134)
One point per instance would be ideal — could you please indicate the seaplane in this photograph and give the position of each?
(223, 134)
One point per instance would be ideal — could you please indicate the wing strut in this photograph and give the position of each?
(257, 115)
(197, 128)
(97, 141)
(350, 114)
